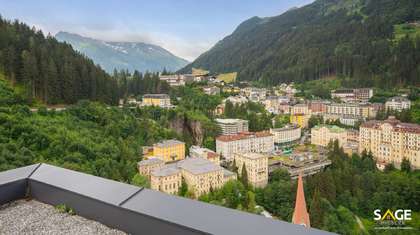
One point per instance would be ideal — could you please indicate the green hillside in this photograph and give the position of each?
(343, 38)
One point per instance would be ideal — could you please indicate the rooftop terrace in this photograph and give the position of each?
(128, 208)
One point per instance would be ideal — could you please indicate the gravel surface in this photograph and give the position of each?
(33, 217)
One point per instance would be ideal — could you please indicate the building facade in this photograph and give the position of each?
(287, 134)
(232, 126)
(391, 141)
(145, 167)
(322, 135)
(161, 100)
(256, 165)
(169, 150)
(244, 142)
(196, 151)
(301, 120)
(353, 95)
(397, 104)
(201, 175)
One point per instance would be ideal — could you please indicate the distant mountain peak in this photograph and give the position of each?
(123, 55)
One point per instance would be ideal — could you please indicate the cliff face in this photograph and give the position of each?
(183, 126)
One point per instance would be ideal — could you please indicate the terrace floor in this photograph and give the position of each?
(33, 217)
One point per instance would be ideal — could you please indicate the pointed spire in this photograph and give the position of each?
(301, 215)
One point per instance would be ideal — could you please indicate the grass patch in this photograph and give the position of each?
(401, 30)
(228, 77)
(199, 72)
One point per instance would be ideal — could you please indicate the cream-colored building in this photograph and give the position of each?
(287, 134)
(201, 175)
(398, 104)
(232, 126)
(244, 142)
(197, 151)
(337, 110)
(169, 150)
(146, 167)
(256, 166)
(166, 179)
(300, 109)
(322, 135)
(161, 100)
(391, 141)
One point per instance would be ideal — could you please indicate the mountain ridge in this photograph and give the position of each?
(350, 38)
(123, 55)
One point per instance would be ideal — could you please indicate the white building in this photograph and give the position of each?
(398, 103)
(197, 151)
(287, 134)
(232, 126)
(244, 142)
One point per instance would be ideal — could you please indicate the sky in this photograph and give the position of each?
(187, 28)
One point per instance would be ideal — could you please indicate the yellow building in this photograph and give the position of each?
(169, 150)
(301, 120)
(256, 165)
(161, 100)
(322, 135)
(391, 141)
(201, 175)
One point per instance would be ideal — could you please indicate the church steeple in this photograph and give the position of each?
(301, 215)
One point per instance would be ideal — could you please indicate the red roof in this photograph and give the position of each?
(243, 135)
(395, 123)
(301, 215)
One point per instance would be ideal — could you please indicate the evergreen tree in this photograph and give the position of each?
(406, 165)
(244, 176)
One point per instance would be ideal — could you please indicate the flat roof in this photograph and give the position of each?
(167, 170)
(196, 165)
(229, 120)
(150, 161)
(253, 155)
(167, 143)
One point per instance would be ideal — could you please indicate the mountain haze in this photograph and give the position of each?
(124, 55)
(371, 41)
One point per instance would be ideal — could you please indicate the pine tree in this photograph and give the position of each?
(244, 176)
(315, 210)
(405, 165)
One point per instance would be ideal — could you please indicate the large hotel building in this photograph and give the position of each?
(232, 126)
(286, 135)
(256, 165)
(391, 141)
(244, 142)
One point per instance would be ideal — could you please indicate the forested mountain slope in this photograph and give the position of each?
(374, 41)
(50, 71)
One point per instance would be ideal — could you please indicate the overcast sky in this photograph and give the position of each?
(187, 28)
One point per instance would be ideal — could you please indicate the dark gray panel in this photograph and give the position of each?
(107, 214)
(209, 218)
(12, 191)
(109, 191)
(16, 174)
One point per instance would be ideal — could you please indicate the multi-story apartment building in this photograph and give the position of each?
(169, 150)
(166, 179)
(196, 151)
(256, 167)
(146, 167)
(302, 120)
(201, 175)
(300, 109)
(322, 135)
(337, 110)
(318, 106)
(161, 100)
(391, 141)
(286, 135)
(353, 95)
(244, 142)
(397, 104)
(232, 126)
